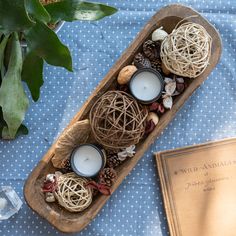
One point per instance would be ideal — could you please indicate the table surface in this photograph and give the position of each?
(136, 208)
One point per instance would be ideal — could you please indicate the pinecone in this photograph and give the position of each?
(113, 160)
(151, 49)
(156, 65)
(66, 167)
(107, 176)
(140, 61)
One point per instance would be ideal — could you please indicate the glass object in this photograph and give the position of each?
(10, 203)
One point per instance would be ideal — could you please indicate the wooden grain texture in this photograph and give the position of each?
(65, 221)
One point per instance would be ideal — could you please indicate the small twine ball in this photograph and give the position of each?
(117, 120)
(72, 193)
(186, 51)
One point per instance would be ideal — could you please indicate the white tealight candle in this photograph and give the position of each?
(146, 85)
(87, 160)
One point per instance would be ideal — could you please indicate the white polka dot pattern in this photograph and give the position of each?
(136, 208)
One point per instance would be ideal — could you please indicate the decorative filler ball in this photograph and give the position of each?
(117, 120)
(186, 51)
(72, 193)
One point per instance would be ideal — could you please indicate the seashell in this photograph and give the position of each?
(159, 34)
(168, 102)
(49, 197)
(176, 93)
(170, 88)
(154, 117)
(168, 80)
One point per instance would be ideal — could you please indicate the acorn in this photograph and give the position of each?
(126, 74)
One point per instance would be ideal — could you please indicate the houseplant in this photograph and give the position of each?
(33, 21)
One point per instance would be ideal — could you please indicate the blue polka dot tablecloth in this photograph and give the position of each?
(136, 208)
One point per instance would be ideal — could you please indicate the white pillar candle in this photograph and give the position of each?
(146, 85)
(87, 160)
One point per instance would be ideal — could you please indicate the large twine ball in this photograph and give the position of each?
(186, 51)
(117, 120)
(72, 193)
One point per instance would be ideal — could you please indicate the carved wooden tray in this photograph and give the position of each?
(66, 221)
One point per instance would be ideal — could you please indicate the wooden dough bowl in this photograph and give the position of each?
(66, 221)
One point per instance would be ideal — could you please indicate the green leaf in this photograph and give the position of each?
(2, 50)
(7, 52)
(13, 16)
(23, 130)
(2, 121)
(4, 131)
(45, 43)
(32, 74)
(13, 99)
(35, 8)
(70, 10)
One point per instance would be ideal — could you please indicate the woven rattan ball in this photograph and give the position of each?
(117, 120)
(186, 51)
(72, 193)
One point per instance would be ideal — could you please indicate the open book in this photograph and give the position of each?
(199, 189)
